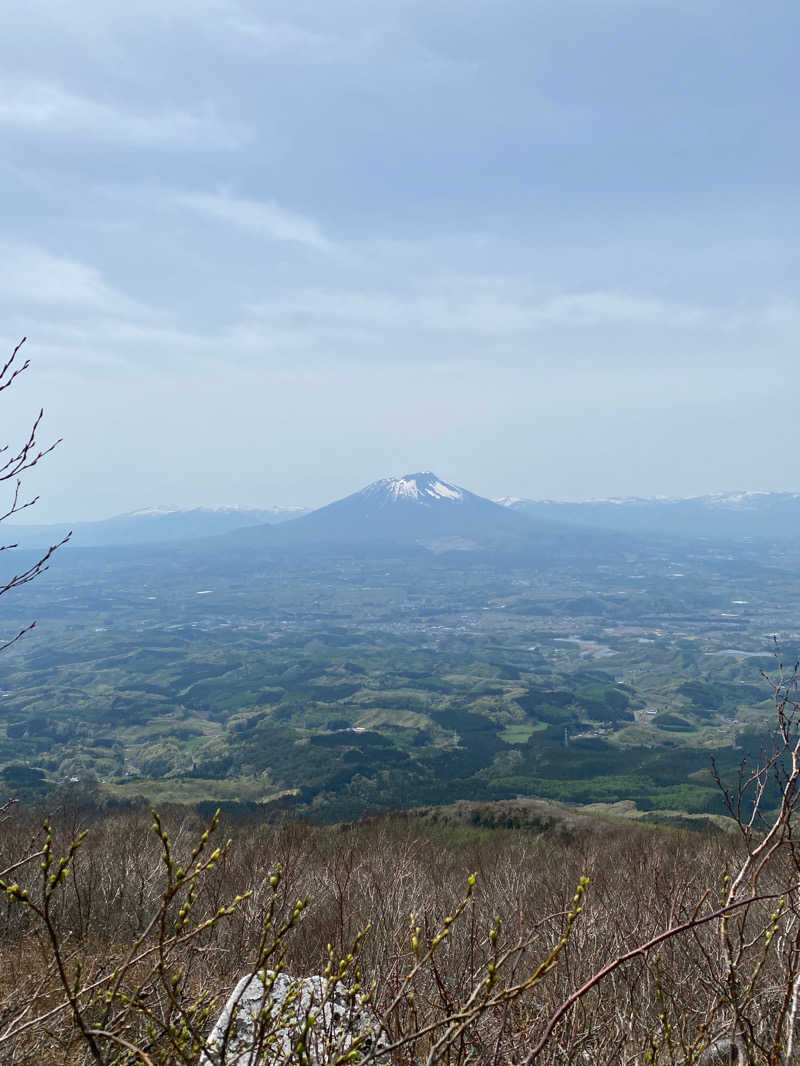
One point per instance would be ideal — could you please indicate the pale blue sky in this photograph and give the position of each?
(266, 253)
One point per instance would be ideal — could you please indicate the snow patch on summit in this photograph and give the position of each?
(405, 488)
(419, 487)
(448, 492)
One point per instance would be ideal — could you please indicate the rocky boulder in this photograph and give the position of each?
(272, 1018)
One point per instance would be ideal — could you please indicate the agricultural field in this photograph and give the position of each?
(361, 684)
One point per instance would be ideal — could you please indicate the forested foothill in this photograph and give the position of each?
(336, 684)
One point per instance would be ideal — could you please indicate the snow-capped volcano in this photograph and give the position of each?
(425, 488)
(415, 509)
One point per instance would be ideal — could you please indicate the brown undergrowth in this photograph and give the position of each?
(641, 882)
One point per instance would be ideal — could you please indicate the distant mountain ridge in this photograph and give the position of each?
(720, 515)
(150, 525)
(423, 508)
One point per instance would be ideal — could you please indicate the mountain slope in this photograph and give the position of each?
(416, 509)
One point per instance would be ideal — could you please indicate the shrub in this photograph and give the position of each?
(471, 944)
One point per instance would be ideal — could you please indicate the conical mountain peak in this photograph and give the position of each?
(423, 487)
(419, 509)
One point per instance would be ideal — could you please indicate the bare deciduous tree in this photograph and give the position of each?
(14, 461)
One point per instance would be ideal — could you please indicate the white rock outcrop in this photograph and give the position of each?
(725, 1052)
(267, 1019)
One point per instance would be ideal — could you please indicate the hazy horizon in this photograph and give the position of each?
(268, 254)
(31, 515)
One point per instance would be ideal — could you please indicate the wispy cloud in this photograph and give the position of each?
(472, 306)
(227, 21)
(262, 218)
(50, 108)
(29, 275)
(253, 34)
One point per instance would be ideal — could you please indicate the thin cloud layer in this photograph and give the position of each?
(34, 276)
(548, 249)
(261, 219)
(41, 107)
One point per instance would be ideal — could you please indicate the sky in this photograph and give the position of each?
(265, 253)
